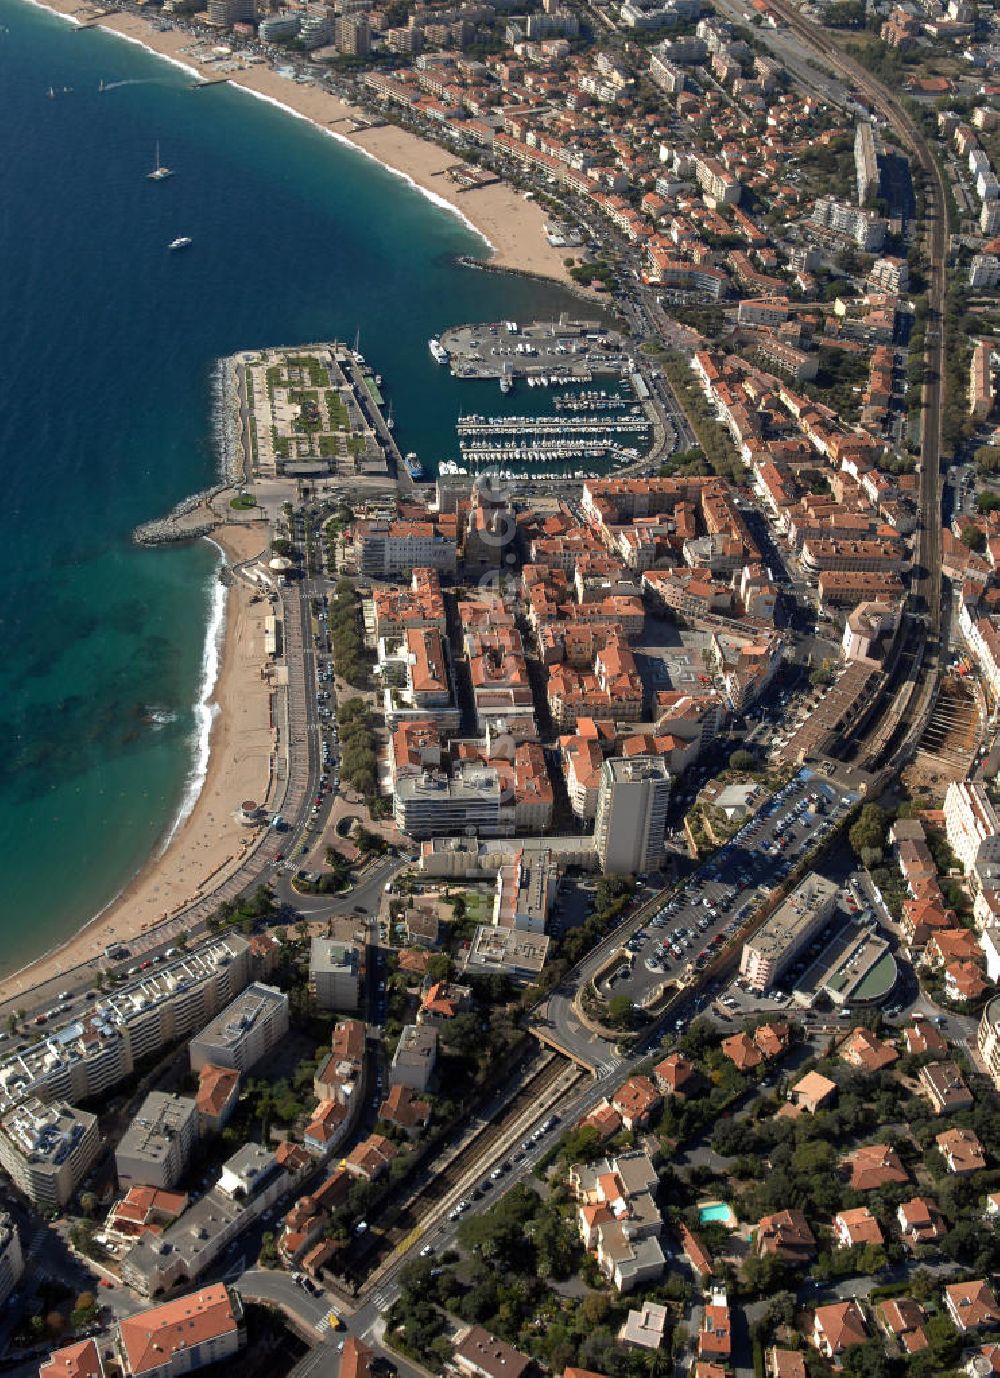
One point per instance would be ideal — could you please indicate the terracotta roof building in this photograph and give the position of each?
(675, 1075)
(484, 1356)
(838, 1328)
(636, 1101)
(81, 1360)
(785, 1235)
(961, 1150)
(742, 1052)
(944, 1086)
(874, 1166)
(356, 1359)
(404, 1109)
(181, 1336)
(862, 1049)
(715, 1339)
(920, 1221)
(922, 1037)
(218, 1092)
(784, 1363)
(903, 1319)
(813, 1092)
(972, 1305)
(856, 1226)
(696, 1253)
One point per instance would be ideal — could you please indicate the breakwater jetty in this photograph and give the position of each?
(188, 521)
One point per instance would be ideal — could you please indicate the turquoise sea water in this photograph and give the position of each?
(106, 348)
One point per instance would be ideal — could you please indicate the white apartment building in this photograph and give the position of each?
(251, 1181)
(245, 1030)
(93, 1052)
(386, 549)
(334, 974)
(415, 1056)
(631, 817)
(775, 946)
(988, 1039)
(984, 271)
(525, 888)
(156, 1147)
(719, 185)
(863, 226)
(47, 1150)
(432, 804)
(983, 640)
(972, 825)
(11, 1258)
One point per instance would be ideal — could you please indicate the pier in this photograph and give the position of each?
(551, 426)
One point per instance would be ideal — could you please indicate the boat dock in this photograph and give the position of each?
(558, 351)
(497, 442)
(554, 426)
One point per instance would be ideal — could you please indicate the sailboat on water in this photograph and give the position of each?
(159, 172)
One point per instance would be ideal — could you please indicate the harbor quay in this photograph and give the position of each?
(573, 351)
(312, 411)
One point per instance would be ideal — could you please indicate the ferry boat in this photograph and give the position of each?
(506, 382)
(181, 242)
(159, 172)
(438, 350)
(414, 468)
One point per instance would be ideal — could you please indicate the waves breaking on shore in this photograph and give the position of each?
(205, 709)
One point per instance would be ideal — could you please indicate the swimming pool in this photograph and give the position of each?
(716, 1210)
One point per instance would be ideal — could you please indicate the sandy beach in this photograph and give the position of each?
(514, 227)
(211, 841)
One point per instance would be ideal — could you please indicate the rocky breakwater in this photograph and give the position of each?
(188, 521)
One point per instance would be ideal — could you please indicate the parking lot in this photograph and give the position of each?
(721, 895)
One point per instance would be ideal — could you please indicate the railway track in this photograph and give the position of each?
(473, 1156)
(895, 737)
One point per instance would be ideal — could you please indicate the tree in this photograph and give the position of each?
(870, 829)
(620, 1012)
(974, 538)
(84, 1312)
(439, 967)
(741, 760)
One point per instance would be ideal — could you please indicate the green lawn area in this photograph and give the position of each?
(479, 905)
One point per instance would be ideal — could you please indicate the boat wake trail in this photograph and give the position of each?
(130, 81)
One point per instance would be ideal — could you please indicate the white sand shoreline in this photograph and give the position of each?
(511, 228)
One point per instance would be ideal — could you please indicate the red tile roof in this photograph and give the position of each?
(151, 1338)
